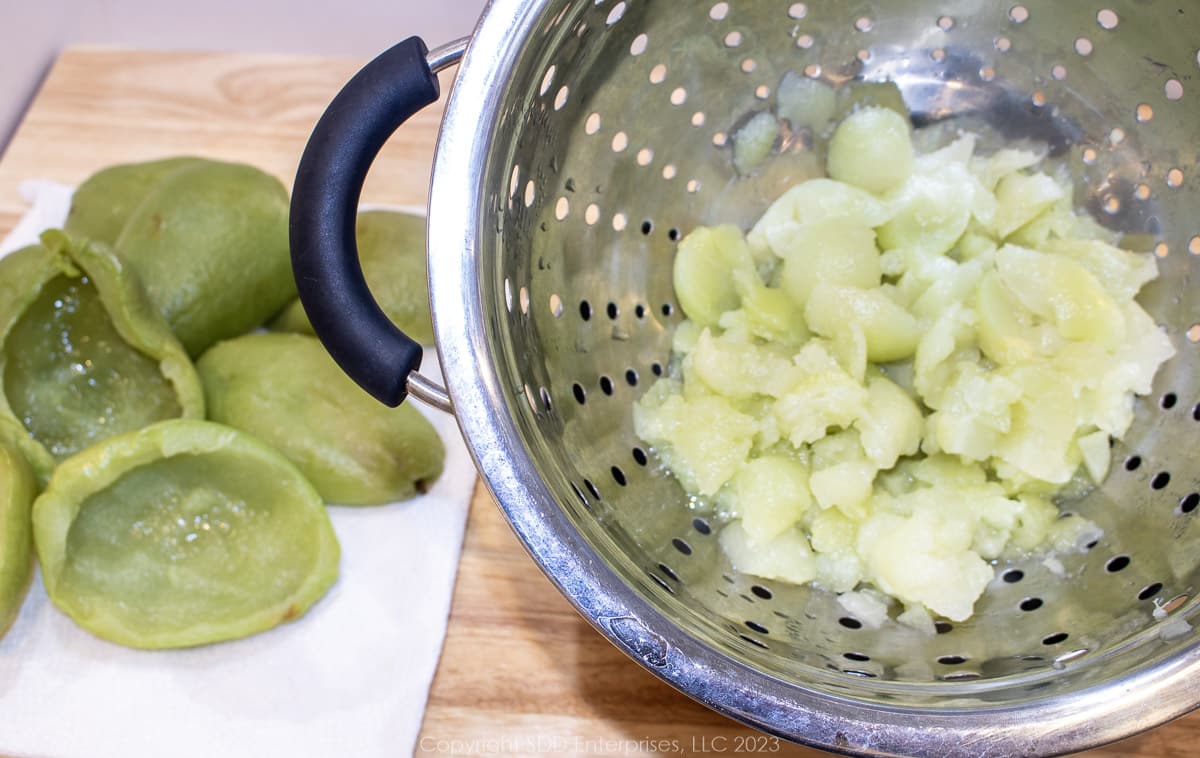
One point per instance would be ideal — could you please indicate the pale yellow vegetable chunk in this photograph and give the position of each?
(1034, 522)
(892, 425)
(842, 476)
(959, 152)
(973, 412)
(891, 332)
(867, 606)
(1061, 290)
(736, 369)
(924, 559)
(831, 531)
(917, 617)
(1145, 348)
(1056, 222)
(825, 396)
(872, 149)
(916, 279)
(973, 245)
(754, 141)
(810, 202)
(845, 486)
(833, 539)
(1008, 331)
(786, 557)
(1097, 455)
(951, 285)
(839, 571)
(685, 338)
(947, 338)
(1129, 370)
(772, 496)
(705, 441)
(1021, 198)
(946, 471)
(992, 169)
(807, 103)
(1120, 272)
(931, 212)
(1044, 420)
(829, 252)
(770, 313)
(849, 348)
(703, 271)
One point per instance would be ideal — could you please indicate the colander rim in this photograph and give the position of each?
(1053, 725)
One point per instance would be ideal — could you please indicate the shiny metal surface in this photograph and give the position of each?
(573, 156)
(429, 392)
(447, 55)
(418, 385)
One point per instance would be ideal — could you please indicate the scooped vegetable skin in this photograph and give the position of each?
(180, 534)
(17, 489)
(78, 338)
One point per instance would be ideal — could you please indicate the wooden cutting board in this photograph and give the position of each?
(521, 673)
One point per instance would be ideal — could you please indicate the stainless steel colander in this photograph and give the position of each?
(581, 141)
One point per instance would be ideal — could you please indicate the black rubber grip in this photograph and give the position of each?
(343, 313)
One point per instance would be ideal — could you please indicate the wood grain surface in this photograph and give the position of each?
(521, 673)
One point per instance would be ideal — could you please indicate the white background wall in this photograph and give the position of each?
(33, 31)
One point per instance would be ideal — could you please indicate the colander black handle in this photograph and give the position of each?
(376, 354)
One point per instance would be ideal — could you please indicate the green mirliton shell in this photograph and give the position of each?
(83, 354)
(288, 392)
(104, 202)
(210, 243)
(183, 533)
(391, 249)
(17, 490)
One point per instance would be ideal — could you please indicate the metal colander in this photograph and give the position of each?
(584, 139)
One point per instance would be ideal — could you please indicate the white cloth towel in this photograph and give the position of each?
(349, 678)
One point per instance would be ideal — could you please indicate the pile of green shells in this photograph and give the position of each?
(171, 431)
